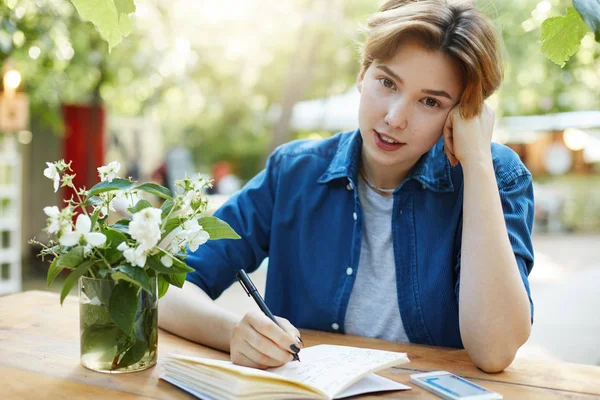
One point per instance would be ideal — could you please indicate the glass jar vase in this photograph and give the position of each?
(118, 325)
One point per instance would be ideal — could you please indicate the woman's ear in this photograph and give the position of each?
(359, 79)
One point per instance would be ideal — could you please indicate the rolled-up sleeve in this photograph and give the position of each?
(518, 206)
(516, 196)
(249, 213)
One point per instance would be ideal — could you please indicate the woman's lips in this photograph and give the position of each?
(382, 144)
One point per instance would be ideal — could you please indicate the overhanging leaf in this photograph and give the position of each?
(111, 17)
(125, 6)
(156, 189)
(104, 15)
(561, 36)
(106, 186)
(217, 229)
(123, 305)
(590, 12)
(73, 277)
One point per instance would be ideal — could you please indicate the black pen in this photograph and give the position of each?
(251, 291)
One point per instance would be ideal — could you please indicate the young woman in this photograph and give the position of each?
(415, 227)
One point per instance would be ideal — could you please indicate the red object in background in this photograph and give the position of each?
(83, 144)
(219, 170)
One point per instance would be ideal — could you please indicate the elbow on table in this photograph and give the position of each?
(494, 363)
(496, 354)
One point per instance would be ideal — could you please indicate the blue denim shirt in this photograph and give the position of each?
(304, 213)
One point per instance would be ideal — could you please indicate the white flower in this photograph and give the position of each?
(59, 221)
(123, 200)
(145, 227)
(52, 173)
(135, 256)
(87, 250)
(166, 261)
(195, 235)
(54, 220)
(110, 171)
(148, 215)
(83, 228)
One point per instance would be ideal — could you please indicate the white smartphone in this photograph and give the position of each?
(451, 387)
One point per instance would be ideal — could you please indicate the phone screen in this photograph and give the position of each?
(454, 385)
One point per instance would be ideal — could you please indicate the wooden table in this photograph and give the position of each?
(39, 359)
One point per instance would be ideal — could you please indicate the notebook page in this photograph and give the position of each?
(369, 384)
(331, 368)
(178, 365)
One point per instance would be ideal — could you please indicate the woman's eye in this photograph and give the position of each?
(387, 83)
(431, 102)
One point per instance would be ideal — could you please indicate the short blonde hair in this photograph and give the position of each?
(457, 29)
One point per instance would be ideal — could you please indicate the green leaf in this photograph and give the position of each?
(163, 286)
(53, 271)
(91, 314)
(181, 266)
(135, 275)
(71, 259)
(178, 267)
(94, 217)
(134, 354)
(172, 223)
(123, 305)
(176, 279)
(94, 201)
(125, 6)
(590, 12)
(561, 36)
(217, 229)
(73, 277)
(106, 16)
(112, 256)
(101, 340)
(139, 206)
(106, 186)
(114, 237)
(166, 208)
(156, 189)
(122, 225)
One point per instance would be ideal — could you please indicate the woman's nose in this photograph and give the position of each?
(397, 114)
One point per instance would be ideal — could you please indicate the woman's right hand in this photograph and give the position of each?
(258, 342)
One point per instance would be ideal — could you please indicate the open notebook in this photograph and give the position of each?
(326, 372)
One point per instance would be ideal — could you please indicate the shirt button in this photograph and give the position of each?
(424, 187)
(349, 186)
(349, 271)
(354, 216)
(335, 326)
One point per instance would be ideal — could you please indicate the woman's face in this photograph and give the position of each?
(404, 104)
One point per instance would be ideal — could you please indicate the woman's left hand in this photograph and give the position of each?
(467, 140)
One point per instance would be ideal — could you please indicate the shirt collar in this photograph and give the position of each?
(432, 170)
